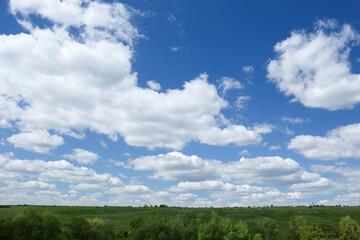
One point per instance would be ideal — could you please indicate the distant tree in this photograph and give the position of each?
(212, 230)
(349, 229)
(239, 231)
(257, 236)
(309, 232)
(269, 229)
(136, 222)
(295, 225)
(189, 226)
(100, 230)
(51, 226)
(80, 228)
(6, 228)
(28, 226)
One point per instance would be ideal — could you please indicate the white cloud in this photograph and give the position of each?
(212, 185)
(184, 197)
(48, 69)
(174, 49)
(237, 134)
(24, 187)
(314, 67)
(82, 156)
(209, 185)
(288, 131)
(350, 176)
(40, 141)
(50, 171)
(153, 85)
(227, 83)
(342, 142)
(103, 144)
(177, 166)
(320, 187)
(133, 189)
(295, 120)
(241, 102)
(248, 69)
(245, 152)
(265, 170)
(100, 20)
(274, 147)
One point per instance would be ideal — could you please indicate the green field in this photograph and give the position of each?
(119, 217)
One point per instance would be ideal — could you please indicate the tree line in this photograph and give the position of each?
(30, 225)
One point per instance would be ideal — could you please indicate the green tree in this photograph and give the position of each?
(269, 229)
(257, 236)
(6, 228)
(349, 229)
(80, 228)
(100, 230)
(28, 226)
(212, 230)
(189, 226)
(309, 232)
(51, 226)
(240, 231)
(295, 225)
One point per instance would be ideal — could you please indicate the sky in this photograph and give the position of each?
(183, 103)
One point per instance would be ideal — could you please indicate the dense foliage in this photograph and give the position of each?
(30, 225)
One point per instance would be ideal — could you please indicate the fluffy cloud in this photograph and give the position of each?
(248, 69)
(212, 185)
(177, 166)
(323, 186)
(314, 67)
(342, 142)
(39, 141)
(293, 120)
(88, 45)
(53, 171)
(227, 83)
(350, 176)
(265, 170)
(82, 156)
(100, 20)
(153, 85)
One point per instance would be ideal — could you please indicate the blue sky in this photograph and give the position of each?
(185, 103)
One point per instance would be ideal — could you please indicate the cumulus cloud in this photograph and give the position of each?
(274, 147)
(153, 85)
(314, 67)
(241, 102)
(227, 83)
(295, 120)
(12, 169)
(349, 179)
(99, 20)
(342, 142)
(40, 141)
(237, 134)
(320, 187)
(88, 45)
(265, 170)
(82, 156)
(248, 69)
(177, 166)
(213, 185)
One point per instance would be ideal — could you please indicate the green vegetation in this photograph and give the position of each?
(297, 223)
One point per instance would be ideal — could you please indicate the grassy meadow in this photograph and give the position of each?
(119, 217)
